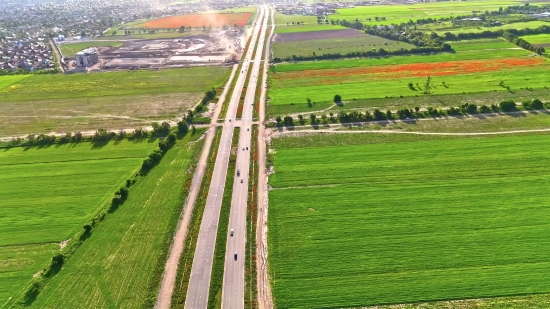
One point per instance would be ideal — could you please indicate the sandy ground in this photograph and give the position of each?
(265, 299)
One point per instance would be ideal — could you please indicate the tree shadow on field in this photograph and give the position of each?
(99, 144)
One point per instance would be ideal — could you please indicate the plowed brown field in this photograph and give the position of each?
(199, 20)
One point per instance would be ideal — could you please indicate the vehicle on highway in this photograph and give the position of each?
(247, 129)
(231, 232)
(235, 256)
(238, 173)
(241, 180)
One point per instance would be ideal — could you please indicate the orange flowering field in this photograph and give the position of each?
(199, 20)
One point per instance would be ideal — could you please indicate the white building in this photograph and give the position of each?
(87, 57)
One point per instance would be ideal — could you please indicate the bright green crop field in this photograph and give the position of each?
(8, 80)
(537, 38)
(282, 19)
(117, 266)
(49, 193)
(378, 219)
(397, 14)
(70, 49)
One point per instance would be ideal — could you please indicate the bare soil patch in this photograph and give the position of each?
(317, 35)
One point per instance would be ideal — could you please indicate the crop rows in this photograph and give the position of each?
(126, 246)
(408, 221)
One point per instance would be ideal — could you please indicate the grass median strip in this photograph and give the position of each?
(216, 282)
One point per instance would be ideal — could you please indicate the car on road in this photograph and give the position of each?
(235, 256)
(238, 173)
(241, 180)
(231, 232)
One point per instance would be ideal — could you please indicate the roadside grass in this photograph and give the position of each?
(412, 218)
(9, 80)
(343, 45)
(70, 49)
(49, 193)
(537, 38)
(186, 260)
(117, 266)
(377, 61)
(353, 87)
(306, 27)
(397, 14)
(251, 268)
(20, 118)
(395, 103)
(149, 82)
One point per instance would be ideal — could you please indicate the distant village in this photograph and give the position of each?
(25, 54)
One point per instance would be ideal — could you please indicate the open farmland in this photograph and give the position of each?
(538, 39)
(118, 265)
(284, 20)
(474, 68)
(397, 14)
(331, 41)
(199, 20)
(70, 49)
(48, 193)
(397, 219)
(111, 100)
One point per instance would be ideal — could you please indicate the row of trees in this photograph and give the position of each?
(522, 43)
(381, 52)
(100, 135)
(405, 113)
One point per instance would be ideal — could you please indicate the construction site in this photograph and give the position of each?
(195, 50)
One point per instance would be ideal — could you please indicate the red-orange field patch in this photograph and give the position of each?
(416, 69)
(199, 20)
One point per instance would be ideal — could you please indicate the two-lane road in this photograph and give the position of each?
(201, 271)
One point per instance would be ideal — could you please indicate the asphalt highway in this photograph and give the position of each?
(234, 267)
(201, 271)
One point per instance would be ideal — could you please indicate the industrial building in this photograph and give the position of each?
(87, 57)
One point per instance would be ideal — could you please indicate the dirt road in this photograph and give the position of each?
(265, 301)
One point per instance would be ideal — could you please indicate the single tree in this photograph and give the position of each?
(337, 99)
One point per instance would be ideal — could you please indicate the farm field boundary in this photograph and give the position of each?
(502, 250)
(127, 246)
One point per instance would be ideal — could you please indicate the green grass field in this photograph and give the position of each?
(447, 27)
(35, 87)
(282, 19)
(483, 45)
(397, 14)
(344, 45)
(70, 49)
(110, 100)
(49, 193)
(115, 267)
(397, 219)
(537, 38)
(9, 80)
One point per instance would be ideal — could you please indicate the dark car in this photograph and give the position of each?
(235, 256)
